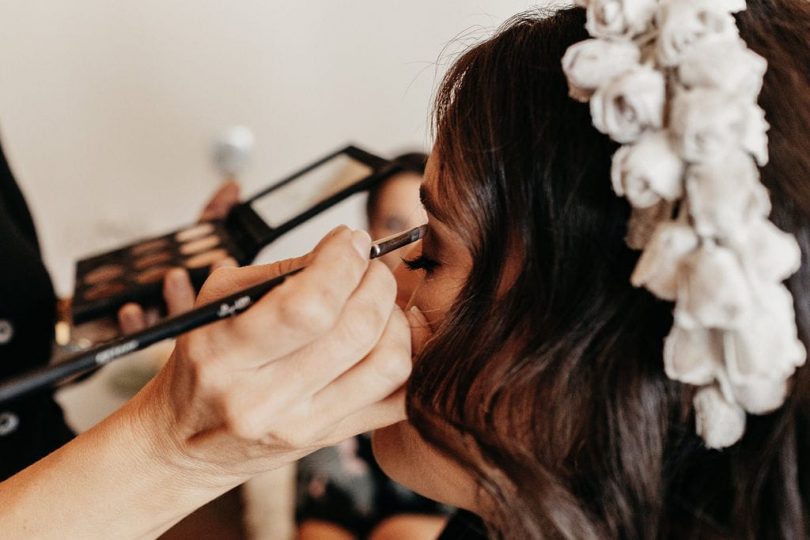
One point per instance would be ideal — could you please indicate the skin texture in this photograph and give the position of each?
(399, 449)
(319, 359)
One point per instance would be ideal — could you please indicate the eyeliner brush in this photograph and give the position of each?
(223, 308)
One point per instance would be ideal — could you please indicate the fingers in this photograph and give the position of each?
(375, 416)
(226, 279)
(178, 292)
(368, 379)
(131, 318)
(307, 305)
(367, 317)
(377, 376)
(221, 202)
(420, 330)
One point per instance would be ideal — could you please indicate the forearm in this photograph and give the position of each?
(114, 481)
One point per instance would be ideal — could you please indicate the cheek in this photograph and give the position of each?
(408, 459)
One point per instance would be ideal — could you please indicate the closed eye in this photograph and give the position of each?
(421, 263)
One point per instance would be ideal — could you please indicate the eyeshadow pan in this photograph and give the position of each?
(197, 246)
(105, 272)
(152, 275)
(195, 232)
(104, 290)
(152, 259)
(146, 247)
(206, 259)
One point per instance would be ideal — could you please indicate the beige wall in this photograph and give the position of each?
(107, 108)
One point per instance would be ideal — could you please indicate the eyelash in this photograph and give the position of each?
(421, 263)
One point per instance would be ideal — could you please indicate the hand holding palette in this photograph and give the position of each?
(135, 272)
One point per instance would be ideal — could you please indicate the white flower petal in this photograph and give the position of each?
(724, 64)
(766, 344)
(755, 134)
(717, 421)
(683, 24)
(712, 289)
(761, 396)
(648, 171)
(629, 104)
(619, 19)
(593, 63)
(732, 6)
(692, 356)
(725, 196)
(772, 254)
(657, 268)
(707, 124)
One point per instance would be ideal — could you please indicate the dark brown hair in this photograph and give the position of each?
(576, 431)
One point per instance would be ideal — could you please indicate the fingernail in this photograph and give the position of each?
(130, 319)
(417, 314)
(362, 243)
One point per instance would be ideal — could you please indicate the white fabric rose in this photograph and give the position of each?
(629, 104)
(593, 63)
(726, 64)
(732, 6)
(619, 19)
(755, 134)
(717, 421)
(770, 253)
(693, 356)
(707, 124)
(643, 222)
(766, 345)
(712, 289)
(648, 171)
(726, 196)
(761, 396)
(684, 23)
(657, 268)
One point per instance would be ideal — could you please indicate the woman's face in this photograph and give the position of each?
(440, 265)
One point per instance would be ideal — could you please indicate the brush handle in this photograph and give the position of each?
(107, 352)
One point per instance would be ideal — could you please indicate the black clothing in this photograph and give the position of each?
(33, 426)
(345, 486)
(464, 525)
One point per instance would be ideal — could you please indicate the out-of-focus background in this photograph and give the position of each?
(108, 108)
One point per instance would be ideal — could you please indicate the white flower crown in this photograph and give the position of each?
(675, 84)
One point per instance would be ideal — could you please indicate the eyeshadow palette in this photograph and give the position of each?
(134, 273)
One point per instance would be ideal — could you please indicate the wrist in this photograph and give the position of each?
(163, 441)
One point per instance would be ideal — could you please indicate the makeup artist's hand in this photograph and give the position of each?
(320, 358)
(178, 292)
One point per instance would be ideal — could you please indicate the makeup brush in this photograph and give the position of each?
(223, 308)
